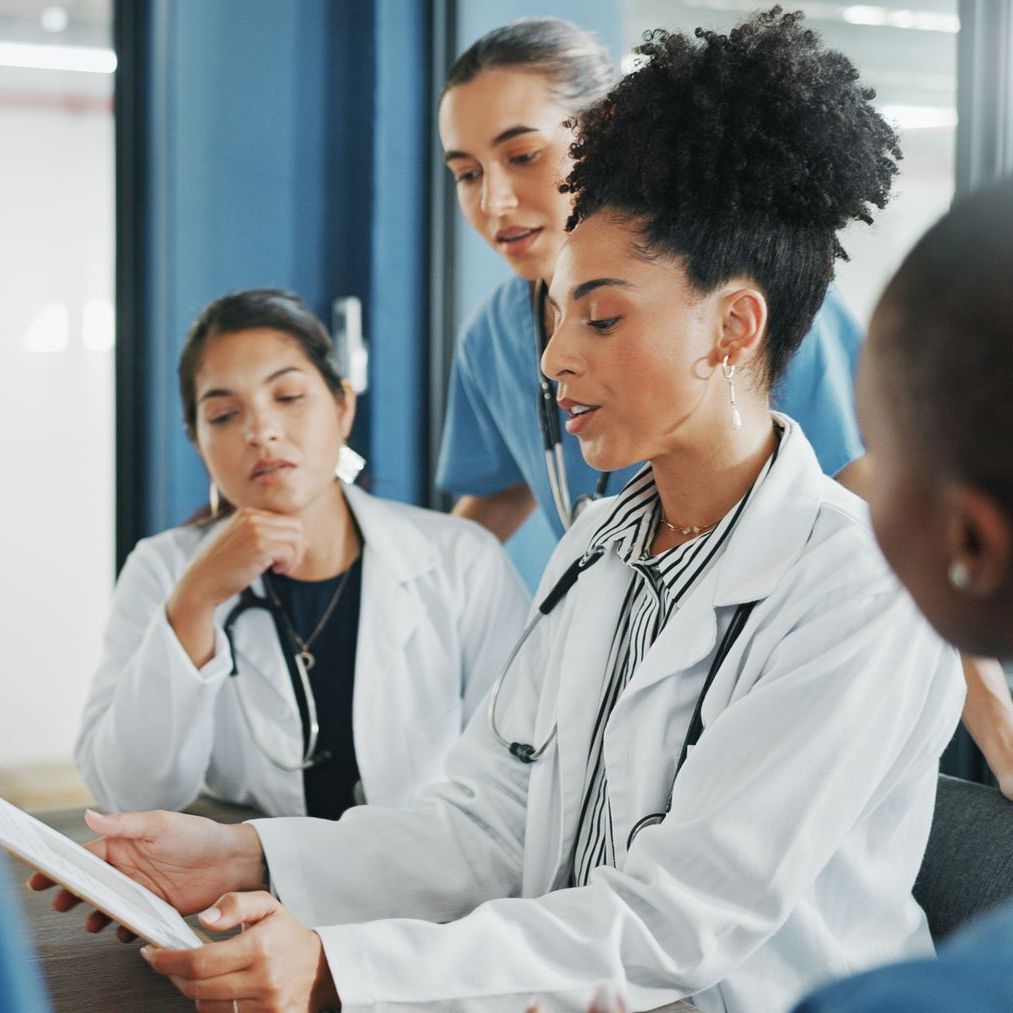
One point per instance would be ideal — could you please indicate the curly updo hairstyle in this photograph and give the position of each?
(574, 63)
(740, 155)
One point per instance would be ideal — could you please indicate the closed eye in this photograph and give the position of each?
(467, 176)
(603, 325)
(524, 158)
(219, 420)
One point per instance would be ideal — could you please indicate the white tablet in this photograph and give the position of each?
(87, 876)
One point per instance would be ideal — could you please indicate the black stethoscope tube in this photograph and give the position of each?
(528, 753)
(305, 698)
(695, 729)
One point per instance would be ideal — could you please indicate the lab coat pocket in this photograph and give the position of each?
(429, 741)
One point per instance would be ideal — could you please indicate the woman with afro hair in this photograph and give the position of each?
(736, 712)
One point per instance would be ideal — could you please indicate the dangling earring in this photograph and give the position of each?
(214, 500)
(728, 372)
(349, 464)
(960, 575)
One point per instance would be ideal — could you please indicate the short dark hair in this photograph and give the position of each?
(573, 61)
(247, 310)
(740, 154)
(945, 326)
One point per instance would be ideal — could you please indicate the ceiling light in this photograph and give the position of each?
(900, 17)
(85, 59)
(909, 117)
(54, 19)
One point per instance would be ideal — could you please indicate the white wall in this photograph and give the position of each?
(56, 419)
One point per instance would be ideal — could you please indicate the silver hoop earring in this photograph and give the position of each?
(728, 372)
(214, 500)
(960, 575)
(349, 464)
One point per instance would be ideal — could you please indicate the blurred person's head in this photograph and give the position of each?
(502, 123)
(936, 404)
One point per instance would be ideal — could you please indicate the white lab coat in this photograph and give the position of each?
(439, 609)
(797, 826)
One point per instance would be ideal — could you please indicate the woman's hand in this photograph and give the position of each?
(248, 543)
(275, 964)
(188, 861)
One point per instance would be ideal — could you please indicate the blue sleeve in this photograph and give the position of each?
(818, 388)
(973, 972)
(20, 988)
(474, 460)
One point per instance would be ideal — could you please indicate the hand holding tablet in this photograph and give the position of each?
(87, 876)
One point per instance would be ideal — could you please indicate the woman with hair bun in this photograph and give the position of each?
(710, 769)
(505, 142)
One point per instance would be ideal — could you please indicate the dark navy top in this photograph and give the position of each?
(329, 786)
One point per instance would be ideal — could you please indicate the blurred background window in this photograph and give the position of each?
(56, 379)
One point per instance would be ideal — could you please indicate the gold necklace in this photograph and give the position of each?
(690, 529)
(307, 657)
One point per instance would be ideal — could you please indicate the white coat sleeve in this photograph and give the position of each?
(148, 726)
(460, 844)
(495, 608)
(856, 697)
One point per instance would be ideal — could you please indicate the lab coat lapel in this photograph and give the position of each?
(394, 554)
(590, 617)
(768, 537)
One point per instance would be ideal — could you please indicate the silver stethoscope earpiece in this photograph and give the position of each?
(548, 424)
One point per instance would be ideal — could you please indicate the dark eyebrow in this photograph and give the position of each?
(502, 138)
(225, 392)
(586, 287)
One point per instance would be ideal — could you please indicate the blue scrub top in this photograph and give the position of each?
(21, 989)
(491, 437)
(974, 971)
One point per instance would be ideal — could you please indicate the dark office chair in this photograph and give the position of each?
(968, 865)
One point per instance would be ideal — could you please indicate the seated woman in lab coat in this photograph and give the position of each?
(387, 621)
(730, 578)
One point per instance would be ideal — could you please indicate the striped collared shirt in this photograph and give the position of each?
(658, 585)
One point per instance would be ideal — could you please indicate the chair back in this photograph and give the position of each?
(968, 864)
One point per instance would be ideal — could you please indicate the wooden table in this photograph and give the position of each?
(97, 973)
(84, 972)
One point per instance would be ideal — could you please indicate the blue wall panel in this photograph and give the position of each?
(398, 318)
(260, 140)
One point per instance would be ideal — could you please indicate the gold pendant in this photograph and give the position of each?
(307, 659)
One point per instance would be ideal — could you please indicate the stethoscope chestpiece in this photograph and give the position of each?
(524, 751)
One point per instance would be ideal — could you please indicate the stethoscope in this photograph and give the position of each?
(548, 423)
(305, 698)
(527, 753)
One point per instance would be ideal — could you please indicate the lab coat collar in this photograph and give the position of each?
(392, 540)
(773, 531)
(395, 553)
(769, 536)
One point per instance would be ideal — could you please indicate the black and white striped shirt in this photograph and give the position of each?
(658, 586)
